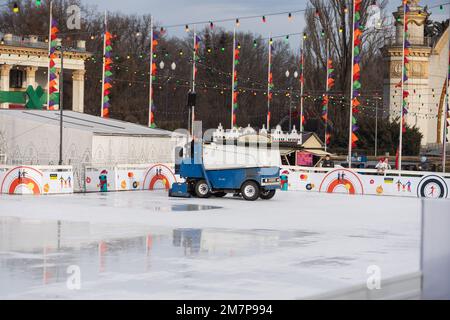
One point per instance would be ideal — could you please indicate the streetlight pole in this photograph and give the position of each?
(173, 66)
(290, 110)
(291, 87)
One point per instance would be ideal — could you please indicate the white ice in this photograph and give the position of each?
(293, 246)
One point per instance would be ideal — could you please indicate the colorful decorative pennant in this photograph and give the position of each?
(52, 76)
(107, 73)
(153, 70)
(448, 96)
(356, 84)
(269, 82)
(405, 65)
(325, 100)
(329, 86)
(234, 91)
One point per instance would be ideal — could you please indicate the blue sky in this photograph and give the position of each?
(169, 12)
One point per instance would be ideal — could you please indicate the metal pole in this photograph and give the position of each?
(290, 108)
(193, 79)
(376, 126)
(61, 85)
(350, 129)
(232, 77)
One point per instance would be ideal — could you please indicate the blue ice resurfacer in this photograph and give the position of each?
(250, 182)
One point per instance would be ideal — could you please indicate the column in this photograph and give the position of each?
(4, 82)
(31, 77)
(78, 90)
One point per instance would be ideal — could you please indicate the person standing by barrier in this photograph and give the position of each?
(327, 162)
(382, 165)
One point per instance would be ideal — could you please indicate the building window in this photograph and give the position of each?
(16, 79)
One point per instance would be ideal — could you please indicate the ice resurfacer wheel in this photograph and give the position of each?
(250, 190)
(267, 194)
(202, 189)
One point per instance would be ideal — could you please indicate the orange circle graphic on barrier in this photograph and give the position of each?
(25, 178)
(344, 183)
(27, 182)
(341, 181)
(158, 176)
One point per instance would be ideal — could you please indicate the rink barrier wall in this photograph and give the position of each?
(130, 177)
(403, 287)
(366, 181)
(36, 179)
(435, 251)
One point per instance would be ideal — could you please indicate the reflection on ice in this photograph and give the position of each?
(35, 254)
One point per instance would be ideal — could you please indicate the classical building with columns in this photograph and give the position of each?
(428, 65)
(24, 63)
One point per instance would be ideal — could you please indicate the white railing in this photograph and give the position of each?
(402, 173)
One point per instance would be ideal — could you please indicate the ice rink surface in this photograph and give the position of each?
(145, 245)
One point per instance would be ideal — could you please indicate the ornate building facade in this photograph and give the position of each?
(24, 63)
(427, 73)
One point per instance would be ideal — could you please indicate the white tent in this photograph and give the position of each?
(31, 137)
